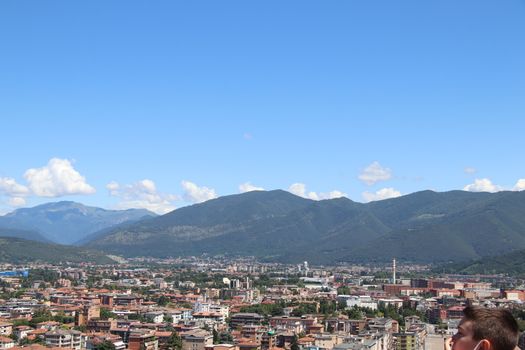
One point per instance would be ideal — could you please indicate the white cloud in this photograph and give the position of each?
(16, 201)
(520, 185)
(383, 193)
(332, 195)
(299, 189)
(196, 194)
(470, 170)
(248, 187)
(482, 185)
(375, 173)
(10, 187)
(142, 194)
(113, 188)
(57, 178)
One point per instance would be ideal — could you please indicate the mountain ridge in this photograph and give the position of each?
(24, 234)
(276, 225)
(67, 222)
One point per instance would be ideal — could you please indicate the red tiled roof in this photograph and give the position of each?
(163, 334)
(6, 340)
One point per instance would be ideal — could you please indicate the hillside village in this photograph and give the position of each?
(238, 304)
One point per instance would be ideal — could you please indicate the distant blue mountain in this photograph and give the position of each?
(24, 234)
(65, 222)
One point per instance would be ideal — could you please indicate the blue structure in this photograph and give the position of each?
(15, 273)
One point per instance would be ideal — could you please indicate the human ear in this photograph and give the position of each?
(484, 344)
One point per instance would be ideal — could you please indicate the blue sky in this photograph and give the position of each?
(163, 104)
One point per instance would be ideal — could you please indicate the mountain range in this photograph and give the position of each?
(64, 222)
(426, 227)
(276, 225)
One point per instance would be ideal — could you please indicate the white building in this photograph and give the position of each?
(61, 338)
(358, 300)
(155, 316)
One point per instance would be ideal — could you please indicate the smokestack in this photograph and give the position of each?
(394, 271)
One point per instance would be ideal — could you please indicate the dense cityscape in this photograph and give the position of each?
(205, 303)
(262, 175)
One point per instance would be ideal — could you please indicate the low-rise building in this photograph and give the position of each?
(21, 332)
(155, 316)
(142, 340)
(61, 338)
(6, 328)
(6, 343)
(245, 318)
(197, 339)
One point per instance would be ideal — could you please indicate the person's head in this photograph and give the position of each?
(486, 329)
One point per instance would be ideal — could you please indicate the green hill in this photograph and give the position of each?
(450, 226)
(17, 250)
(511, 264)
(278, 226)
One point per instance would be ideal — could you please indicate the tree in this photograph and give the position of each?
(264, 309)
(137, 317)
(163, 300)
(225, 338)
(294, 345)
(390, 311)
(40, 275)
(105, 345)
(20, 322)
(354, 313)
(40, 315)
(24, 341)
(330, 328)
(216, 339)
(105, 314)
(42, 312)
(304, 308)
(344, 290)
(168, 318)
(82, 328)
(341, 305)
(327, 306)
(175, 341)
(62, 318)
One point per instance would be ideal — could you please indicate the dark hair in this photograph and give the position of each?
(496, 325)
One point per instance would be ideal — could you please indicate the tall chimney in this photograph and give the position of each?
(394, 271)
